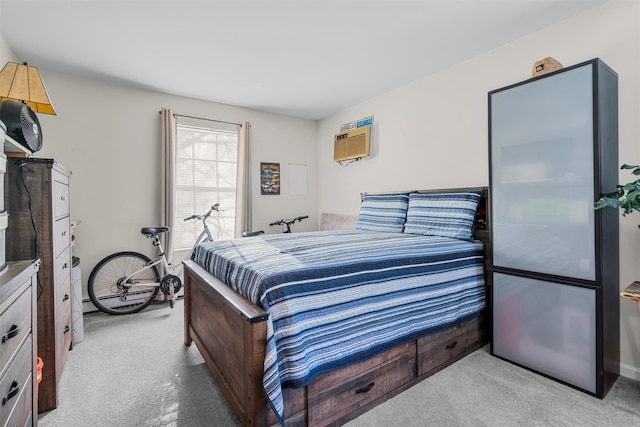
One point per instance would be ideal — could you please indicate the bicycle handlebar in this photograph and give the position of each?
(215, 207)
(289, 221)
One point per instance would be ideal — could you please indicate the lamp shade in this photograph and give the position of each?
(22, 83)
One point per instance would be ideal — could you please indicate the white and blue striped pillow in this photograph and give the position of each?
(386, 213)
(443, 214)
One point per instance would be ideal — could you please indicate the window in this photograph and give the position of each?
(206, 162)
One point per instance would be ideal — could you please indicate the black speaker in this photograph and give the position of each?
(22, 124)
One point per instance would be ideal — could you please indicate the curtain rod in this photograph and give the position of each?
(200, 118)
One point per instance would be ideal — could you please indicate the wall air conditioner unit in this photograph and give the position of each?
(352, 144)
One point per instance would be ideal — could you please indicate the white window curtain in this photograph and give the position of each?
(168, 177)
(243, 181)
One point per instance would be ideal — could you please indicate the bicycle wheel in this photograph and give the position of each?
(110, 294)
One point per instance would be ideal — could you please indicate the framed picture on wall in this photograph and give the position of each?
(269, 178)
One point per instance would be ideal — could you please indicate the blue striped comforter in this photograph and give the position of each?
(336, 298)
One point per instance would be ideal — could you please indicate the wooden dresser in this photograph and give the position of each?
(18, 369)
(39, 227)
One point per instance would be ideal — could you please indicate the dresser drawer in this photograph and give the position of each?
(61, 235)
(62, 267)
(60, 199)
(436, 349)
(15, 379)
(22, 412)
(29, 422)
(15, 323)
(63, 334)
(63, 293)
(337, 393)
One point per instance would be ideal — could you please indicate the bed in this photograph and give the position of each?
(316, 328)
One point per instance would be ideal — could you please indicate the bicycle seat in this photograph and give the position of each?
(252, 233)
(153, 231)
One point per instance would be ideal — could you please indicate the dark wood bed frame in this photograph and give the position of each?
(230, 333)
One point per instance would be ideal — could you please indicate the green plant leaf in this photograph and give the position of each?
(627, 196)
(630, 186)
(606, 202)
(626, 207)
(614, 194)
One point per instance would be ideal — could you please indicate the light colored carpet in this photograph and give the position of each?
(482, 390)
(134, 371)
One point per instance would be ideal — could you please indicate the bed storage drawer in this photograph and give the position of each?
(337, 393)
(331, 398)
(438, 349)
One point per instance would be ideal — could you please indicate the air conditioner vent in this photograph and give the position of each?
(352, 144)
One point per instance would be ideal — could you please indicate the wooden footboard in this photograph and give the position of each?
(230, 333)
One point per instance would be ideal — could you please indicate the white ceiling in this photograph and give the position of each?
(302, 58)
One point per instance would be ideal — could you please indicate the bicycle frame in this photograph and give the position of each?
(161, 259)
(205, 236)
(169, 269)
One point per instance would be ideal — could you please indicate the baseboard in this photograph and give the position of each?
(630, 371)
(88, 307)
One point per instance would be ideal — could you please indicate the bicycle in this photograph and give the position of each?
(288, 223)
(127, 282)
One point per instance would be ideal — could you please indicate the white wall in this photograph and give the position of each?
(6, 53)
(108, 136)
(433, 133)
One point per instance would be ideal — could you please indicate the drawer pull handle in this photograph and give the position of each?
(66, 297)
(366, 388)
(64, 233)
(65, 265)
(15, 388)
(63, 198)
(451, 345)
(13, 331)
(67, 329)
